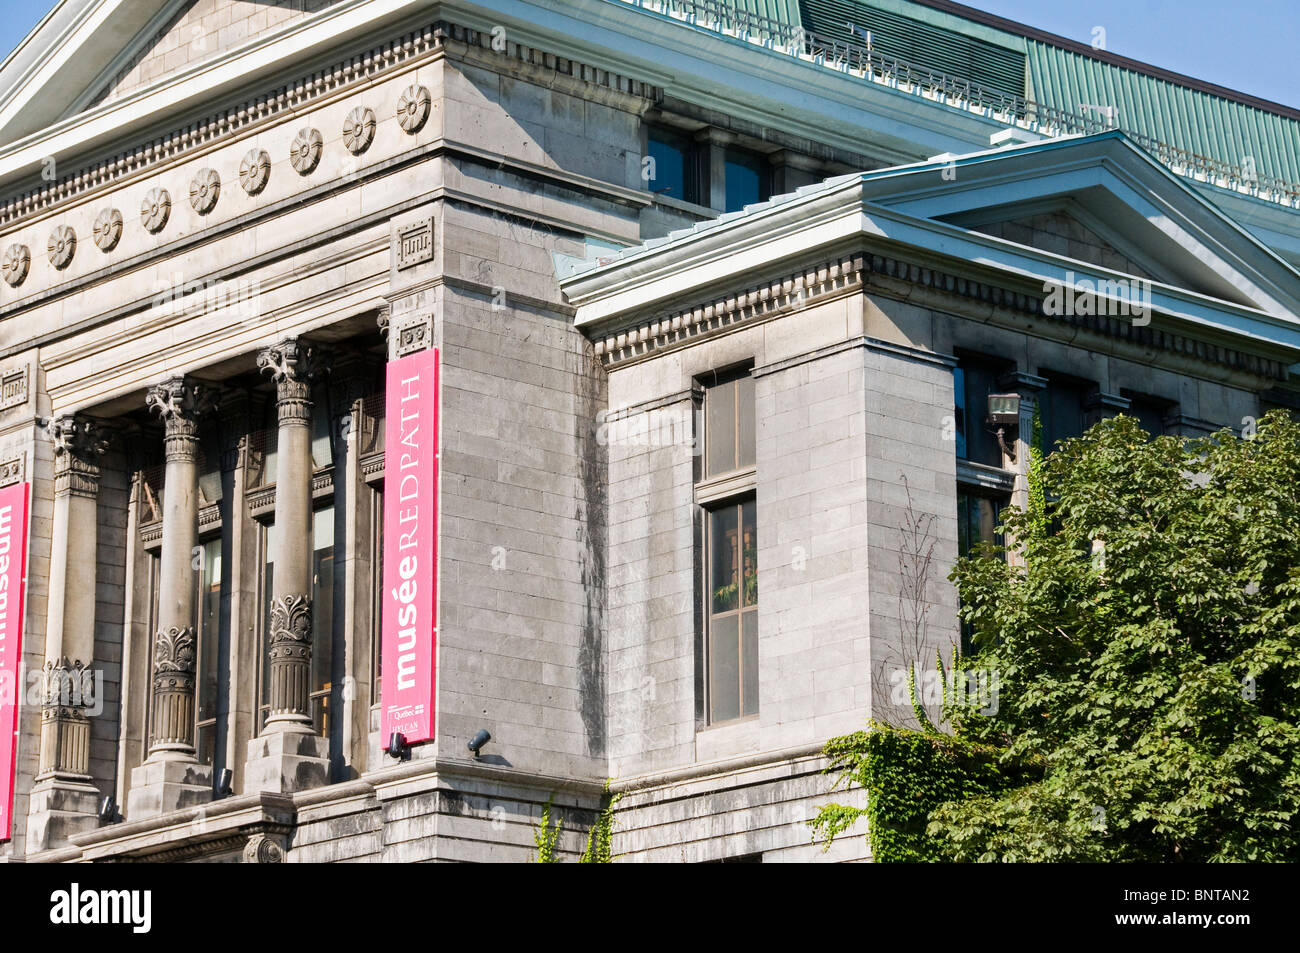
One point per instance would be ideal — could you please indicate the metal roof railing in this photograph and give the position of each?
(723, 17)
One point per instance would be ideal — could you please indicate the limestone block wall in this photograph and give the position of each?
(760, 810)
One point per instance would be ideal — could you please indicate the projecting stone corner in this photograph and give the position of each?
(286, 762)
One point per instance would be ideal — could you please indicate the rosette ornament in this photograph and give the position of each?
(359, 130)
(62, 246)
(304, 154)
(413, 108)
(254, 171)
(155, 209)
(17, 262)
(108, 229)
(204, 189)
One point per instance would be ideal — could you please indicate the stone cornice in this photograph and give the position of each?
(898, 279)
(342, 77)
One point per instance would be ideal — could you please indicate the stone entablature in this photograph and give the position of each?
(376, 102)
(894, 277)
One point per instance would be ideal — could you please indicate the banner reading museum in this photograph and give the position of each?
(13, 572)
(410, 601)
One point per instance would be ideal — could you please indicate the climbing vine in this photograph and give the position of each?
(599, 838)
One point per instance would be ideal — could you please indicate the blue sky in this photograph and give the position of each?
(1250, 45)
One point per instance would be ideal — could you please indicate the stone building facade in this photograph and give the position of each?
(710, 310)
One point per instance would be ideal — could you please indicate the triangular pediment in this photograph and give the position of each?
(87, 52)
(1097, 200)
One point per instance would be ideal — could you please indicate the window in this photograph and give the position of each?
(733, 611)
(978, 516)
(748, 179)
(207, 606)
(729, 425)
(1061, 409)
(973, 380)
(207, 634)
(322, 616)
(727, 492)
(1149, 411)
(674, 169)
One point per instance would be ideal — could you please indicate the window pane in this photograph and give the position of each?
(745, 408)
(746, 179)
(208, 610)
(320, 430)
(322, 607)
(724, 669)
(720, 428)
(672, 172)
(959, 409)
(749, 658)
(749, 553)
(724, 560)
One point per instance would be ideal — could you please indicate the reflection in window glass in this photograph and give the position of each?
(673, 170)
(207, 606)
(733, 611)
(729, 425)
(747, 179)
(322, 649)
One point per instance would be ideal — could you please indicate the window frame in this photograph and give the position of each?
(715, 492)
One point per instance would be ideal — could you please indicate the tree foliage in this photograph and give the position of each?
(1145, 651)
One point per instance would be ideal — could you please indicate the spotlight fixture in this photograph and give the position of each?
(478, 741)
(1004, 414)
(397, 747)
(108, 810)
(225, 783)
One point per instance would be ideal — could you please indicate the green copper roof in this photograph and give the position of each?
(1189, 119)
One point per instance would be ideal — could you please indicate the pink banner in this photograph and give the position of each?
(408, 653)
(13, 579)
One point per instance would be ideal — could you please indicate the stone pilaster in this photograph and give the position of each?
(288, 755)
(1098, 406)
(64, 799)
(171, 777)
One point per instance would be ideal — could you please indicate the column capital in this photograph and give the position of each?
(79, 442)
(179, 402)
(294, 365)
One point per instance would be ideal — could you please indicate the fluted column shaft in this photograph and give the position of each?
(292, 363)
(68, 686)
(171, 725)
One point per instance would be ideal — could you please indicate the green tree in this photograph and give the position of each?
(1145, 655)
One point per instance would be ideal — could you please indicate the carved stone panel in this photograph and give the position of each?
(13, 387)
(415, 244)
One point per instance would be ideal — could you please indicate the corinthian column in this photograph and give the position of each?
(171, 777)
(64, 801)
(289, 756)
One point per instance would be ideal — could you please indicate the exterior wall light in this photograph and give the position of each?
(478, 741)
(397, 746)
(1004, 414)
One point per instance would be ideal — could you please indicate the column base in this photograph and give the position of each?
(160, 787)
(287, 761)
(58, 809)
